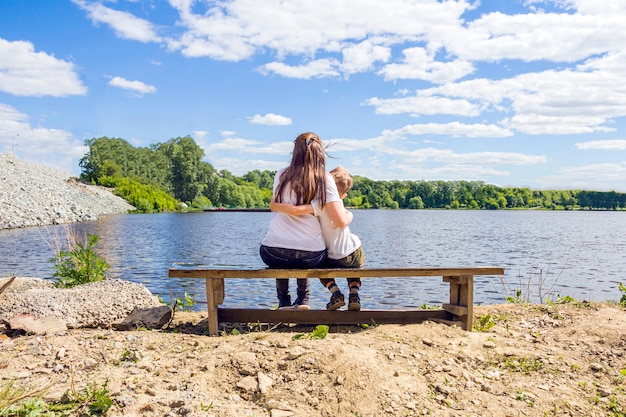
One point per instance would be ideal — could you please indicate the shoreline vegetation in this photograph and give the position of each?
(166, 176)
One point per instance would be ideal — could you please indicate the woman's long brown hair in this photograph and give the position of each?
(307, 172)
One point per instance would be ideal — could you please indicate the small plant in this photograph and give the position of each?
(484, 323)
(320, 332)
(523, 364)
(622, 288)
(427, 306)
(180, 304)
(206, 408)
(129, 356)
(561, 300)
(13, 400)
(517, 299)
(79, 264)
(522, 396)
(89, 401)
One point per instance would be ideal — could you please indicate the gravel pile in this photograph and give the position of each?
(96, 304)
(36, 195)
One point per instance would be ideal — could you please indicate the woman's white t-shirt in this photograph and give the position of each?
(298, 232)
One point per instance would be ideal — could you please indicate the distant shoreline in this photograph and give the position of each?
(222, 209)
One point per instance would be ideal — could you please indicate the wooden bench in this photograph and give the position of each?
(458, 311)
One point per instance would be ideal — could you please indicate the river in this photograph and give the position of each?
(581, 254)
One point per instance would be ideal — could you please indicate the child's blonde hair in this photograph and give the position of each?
(343, 179)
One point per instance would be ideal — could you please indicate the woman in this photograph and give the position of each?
(297, 241)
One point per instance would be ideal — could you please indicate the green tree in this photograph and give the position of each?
(187, 177)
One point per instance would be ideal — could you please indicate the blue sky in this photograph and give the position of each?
(528, 93)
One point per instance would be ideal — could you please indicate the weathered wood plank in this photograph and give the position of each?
(232, 315)
(455, 309)
(183, 272)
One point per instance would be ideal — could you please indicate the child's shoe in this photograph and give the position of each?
(301, 303)
(336, 300)
(354, 302)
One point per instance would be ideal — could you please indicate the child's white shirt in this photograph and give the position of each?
(340, 242)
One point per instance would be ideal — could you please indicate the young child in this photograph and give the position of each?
(344, 247)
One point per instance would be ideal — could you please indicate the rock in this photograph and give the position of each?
(149, 318)
(296, 352)
(596, 367)
(246, 363)
(31, 325)
(428, 342)
(265, 382)
(248, 384)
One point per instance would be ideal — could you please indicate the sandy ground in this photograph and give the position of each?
(559, 360)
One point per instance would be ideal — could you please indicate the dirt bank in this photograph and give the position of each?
(562, 360)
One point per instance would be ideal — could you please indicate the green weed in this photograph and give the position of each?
(517, 299)
(79, 264)
(622, 288)
(89, 401)
(320, 332)
(179, 304)
(484, 323)
(523, 364)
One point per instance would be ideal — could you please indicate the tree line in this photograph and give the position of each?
(160, 176)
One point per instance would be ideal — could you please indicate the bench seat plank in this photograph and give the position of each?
(459, 310)
(181, 272)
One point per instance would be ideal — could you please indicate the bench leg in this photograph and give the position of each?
(462, 295)
(467, 300)
(214, 297)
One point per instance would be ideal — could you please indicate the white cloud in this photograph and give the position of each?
(24, 72)
(200, 134)
(313, 69)
(597, 177)
(361, 57)
(424, 105)
(241, 167)
(586, 6)
(449, 156)
(556, 102)
(52, 147)
(125, 25)
(136, 86)
(361, 32)
(270, 119)
(418, 63)
(455, 129)
(603, 145)
(241, 145)
(556, 37)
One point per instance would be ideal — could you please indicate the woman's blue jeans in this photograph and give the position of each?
(291, 259)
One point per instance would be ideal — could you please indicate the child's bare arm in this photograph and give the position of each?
(338, 214)
(291, 209)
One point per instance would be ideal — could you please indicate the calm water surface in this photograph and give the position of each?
(545, 253)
